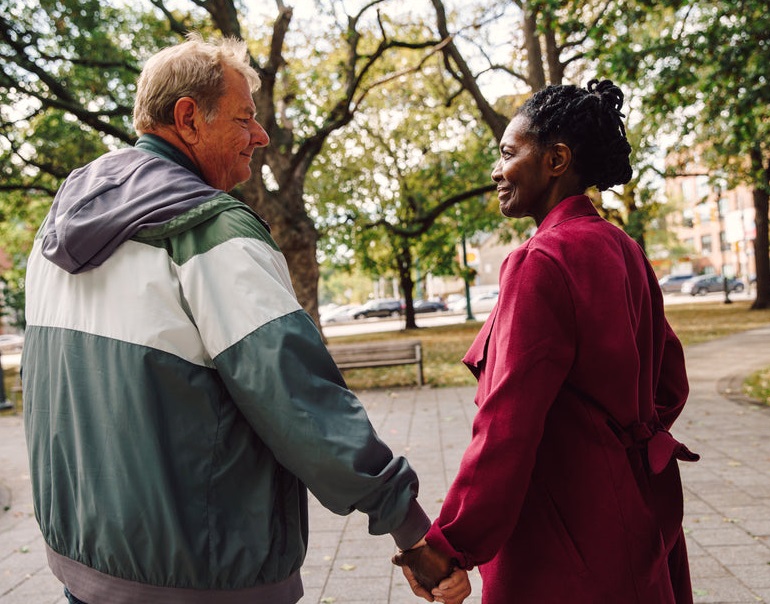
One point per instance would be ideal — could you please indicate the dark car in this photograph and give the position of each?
(673, 283)
(703, 284)
(379, 308)
(429, 306)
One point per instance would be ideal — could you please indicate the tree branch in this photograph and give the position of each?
(61, 97)
(176, 26)
(45, 167)
(365, 91)
(343, 111)
(464, 76)
(422, 224)
(26, 188)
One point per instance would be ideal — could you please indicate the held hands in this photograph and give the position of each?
(428, 566)
(431, 575)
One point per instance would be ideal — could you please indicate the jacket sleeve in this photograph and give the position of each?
(529, 352)
(281, 376)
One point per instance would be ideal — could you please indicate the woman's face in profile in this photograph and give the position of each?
(521, 173)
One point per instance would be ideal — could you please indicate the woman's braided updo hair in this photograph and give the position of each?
(587, 120)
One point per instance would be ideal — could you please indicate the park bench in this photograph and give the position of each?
(379, 354)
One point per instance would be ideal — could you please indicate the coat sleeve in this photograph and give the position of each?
(278, 372)
(529, 352)
(673, 387)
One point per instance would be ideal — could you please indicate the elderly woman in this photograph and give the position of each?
(570, 489)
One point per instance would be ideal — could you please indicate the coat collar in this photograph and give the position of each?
(568, 208)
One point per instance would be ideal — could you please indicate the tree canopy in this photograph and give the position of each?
(704, 70)
(384, 119)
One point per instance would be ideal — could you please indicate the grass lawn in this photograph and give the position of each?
(444, 346)
(757, 386)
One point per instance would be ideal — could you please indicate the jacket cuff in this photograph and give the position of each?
(436, 539)
(413, 528)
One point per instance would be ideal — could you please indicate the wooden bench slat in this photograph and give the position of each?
(379, 354)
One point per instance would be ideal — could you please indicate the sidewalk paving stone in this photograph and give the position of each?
(727, 493)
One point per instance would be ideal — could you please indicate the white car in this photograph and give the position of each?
(11, 343)
(483, 302)
(338, 314)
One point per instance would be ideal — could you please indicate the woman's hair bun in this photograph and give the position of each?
(588, 120)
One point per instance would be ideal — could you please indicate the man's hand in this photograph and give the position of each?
(429, 567)
(418, 589)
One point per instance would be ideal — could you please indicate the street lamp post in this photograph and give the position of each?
(469, 316)
(726, 286)
(720, 214)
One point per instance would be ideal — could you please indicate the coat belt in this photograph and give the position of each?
(661, 447)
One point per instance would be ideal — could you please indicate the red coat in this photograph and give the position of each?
(569, 491)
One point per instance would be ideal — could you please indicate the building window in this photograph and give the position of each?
(724, 245)
(723, 206)
(703, 186)
(704, 213)
(746, 199)
(705, 244)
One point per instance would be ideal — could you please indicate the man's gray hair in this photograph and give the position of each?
(193, 68)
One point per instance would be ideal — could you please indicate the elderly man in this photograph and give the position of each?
(178, 400)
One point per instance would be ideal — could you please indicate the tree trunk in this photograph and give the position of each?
(297, 237)
(404, 255)
(761, 247)
(552, 50)
(535, 71)
(294, 232)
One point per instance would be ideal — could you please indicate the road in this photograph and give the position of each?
(434, 319)
(448, 318)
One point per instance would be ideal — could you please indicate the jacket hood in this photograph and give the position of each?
(106, 202)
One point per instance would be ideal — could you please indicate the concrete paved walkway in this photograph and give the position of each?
(727, 506)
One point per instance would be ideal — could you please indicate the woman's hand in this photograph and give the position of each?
(453, 589)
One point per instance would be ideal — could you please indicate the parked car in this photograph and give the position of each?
(338, 314)
(703, 284)
(11, 343)
(429, 306)
(483, 302)
(453, 298)
(379, 308)
(673, 283)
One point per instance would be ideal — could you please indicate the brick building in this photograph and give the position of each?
(716, 226)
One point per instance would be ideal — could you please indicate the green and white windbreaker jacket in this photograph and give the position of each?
(178, 400)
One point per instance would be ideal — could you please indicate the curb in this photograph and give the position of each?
(731, 388)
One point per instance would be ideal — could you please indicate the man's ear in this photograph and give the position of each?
(186, 116)
(559, 158)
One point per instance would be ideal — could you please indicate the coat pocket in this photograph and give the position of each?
(554, 534)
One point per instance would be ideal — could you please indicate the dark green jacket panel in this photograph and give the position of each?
(136, 507)
(316, 427)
